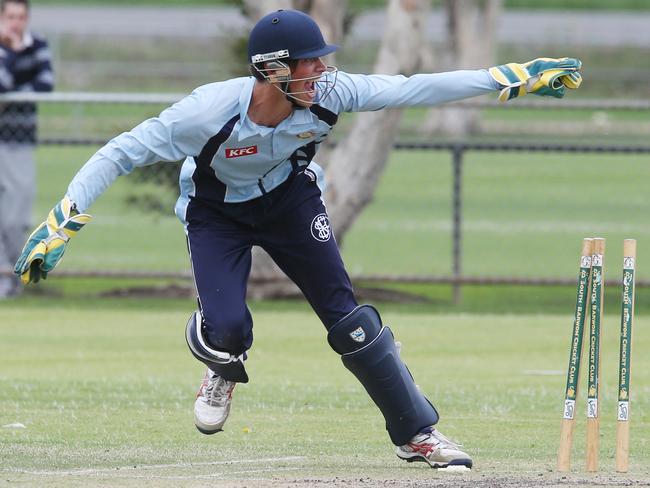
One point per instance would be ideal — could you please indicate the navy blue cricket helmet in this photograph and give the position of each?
(288, 34)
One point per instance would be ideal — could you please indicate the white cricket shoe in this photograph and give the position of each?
(435, 449)
(212, 404)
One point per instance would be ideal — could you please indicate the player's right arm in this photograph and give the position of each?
(176, 133)
(171, 136)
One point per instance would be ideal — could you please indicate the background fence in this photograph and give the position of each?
(88, 120)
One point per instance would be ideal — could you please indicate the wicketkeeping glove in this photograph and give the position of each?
(46, 245)
(541, 76)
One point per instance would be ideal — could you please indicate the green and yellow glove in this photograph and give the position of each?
(541, 76)
(46, 245)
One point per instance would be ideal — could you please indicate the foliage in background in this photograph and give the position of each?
(154, 188)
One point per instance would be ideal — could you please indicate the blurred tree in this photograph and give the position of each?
(471, 44)
(267, 279)
(354, 167)
(256, 9)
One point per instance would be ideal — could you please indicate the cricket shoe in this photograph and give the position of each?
(212, 404)
(435, 449)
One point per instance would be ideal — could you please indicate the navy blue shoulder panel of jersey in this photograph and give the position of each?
(303, 155)
(327, 116)
(207, 185)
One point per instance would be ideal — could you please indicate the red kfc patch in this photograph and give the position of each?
(241, 151)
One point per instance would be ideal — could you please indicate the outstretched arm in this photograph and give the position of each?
(169, 137)
(543, 76)
(362, 93)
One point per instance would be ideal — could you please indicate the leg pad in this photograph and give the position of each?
(368, 350)
(226, 365)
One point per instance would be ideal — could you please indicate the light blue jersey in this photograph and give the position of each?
(229, 158)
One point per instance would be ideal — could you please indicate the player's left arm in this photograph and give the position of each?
(364, 93)
(543, 76)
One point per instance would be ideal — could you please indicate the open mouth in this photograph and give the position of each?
(310, 89)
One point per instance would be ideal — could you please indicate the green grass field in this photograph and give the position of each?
(105, 396)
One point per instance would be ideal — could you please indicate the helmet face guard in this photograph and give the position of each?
(278, 73)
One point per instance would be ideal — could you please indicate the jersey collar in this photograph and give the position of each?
(298, 122)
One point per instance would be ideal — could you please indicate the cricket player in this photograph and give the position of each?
(250, 179)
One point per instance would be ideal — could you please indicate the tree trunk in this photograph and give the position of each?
(357, 163)
(354, 167)
(266, 278)
(471, 45)
(329, 15)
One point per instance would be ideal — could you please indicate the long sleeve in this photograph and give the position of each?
(359, 93)
(172, 136)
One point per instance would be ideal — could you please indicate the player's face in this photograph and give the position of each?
(306, 73)
(14, 17)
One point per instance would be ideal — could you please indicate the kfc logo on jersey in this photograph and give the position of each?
(241, 151)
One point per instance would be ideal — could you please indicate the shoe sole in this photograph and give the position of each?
(210, 429)
(467, 463)
(207, 432)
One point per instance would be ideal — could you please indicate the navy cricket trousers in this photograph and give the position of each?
(290, 223)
